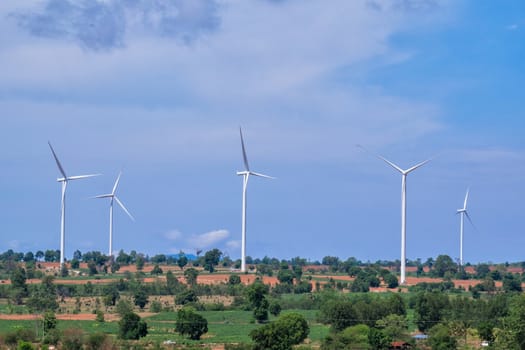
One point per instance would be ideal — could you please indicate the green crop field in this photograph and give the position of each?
(225, 326)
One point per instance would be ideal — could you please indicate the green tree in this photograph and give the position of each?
(139, 262)
(18, 285)
(339, 313)
(391, 281)
(186, 297)
(440, 338)
(211, 259)
(443, 265)
(378, 340)
(191, 276)
(274, 308)
(285, 276)
(49, 321)
(234, 279)
(256, 295)
(429, 309)
(511, 283)
(140, 297)
(182, 260)
(190, 323)
(44, 296)
(172, 283)
(354, 337)
(124, 307)
(111, 294)
(131, 326)
(156, 270)
(288, 330)
(394, 326)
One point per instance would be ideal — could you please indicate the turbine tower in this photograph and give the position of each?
(463, 212)
(113, 197)
(64, 180)
(246, 175)
(404, 173)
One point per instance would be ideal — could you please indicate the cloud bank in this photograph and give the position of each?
(104, 25)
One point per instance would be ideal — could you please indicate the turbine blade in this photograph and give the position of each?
(262, 175)
(116, 183)
(244, 157)
(466, 199)
(123, 208)
(470, 220)
(78, 177)
(382, 158)
(418, 165)
(109, 195)
(57, 161)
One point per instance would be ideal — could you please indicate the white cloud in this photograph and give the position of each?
(285, 79)
(233, 244)
(208, 239)
(189, 243)
(173, 235)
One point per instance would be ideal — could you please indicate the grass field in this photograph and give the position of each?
(226, 326)
(223, 327)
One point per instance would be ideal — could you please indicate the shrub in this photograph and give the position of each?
(24, 345)
(96, 341)
(132, 327)
(155, 306)
(190, 323)
(290, 329)
(72, 339)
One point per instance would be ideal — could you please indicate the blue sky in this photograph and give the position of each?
(160, 88)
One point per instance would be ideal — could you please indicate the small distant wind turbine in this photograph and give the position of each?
(64, 180)
(404, 174)
(463, 212)
(246, 175)
(113, 197)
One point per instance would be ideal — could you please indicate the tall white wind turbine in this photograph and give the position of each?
(113, 197)
(64, 180)
(246, 175)
(463, 212)
(404, 174)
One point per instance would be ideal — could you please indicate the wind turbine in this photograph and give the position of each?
(463, 212)
(113, 197)
(404, 173)
(246, 175)
(64, 180)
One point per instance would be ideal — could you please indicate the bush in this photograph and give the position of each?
(290, 329)
(274, 308)
(155, 306)
(52, 337)
(190, 323)
(100, 316)
(234, 279)
(96, 341)
(24, 345)
(186, 297)
(22, 334)
(72, 339)
(132, 327)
